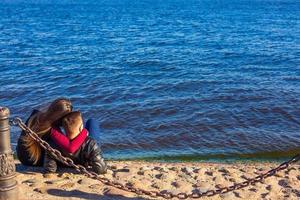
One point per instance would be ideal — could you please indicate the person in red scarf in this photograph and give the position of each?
(74, 142)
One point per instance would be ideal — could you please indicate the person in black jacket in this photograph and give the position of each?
(76, 144)
(29, 151)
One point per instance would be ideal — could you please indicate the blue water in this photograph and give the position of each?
(167, 79)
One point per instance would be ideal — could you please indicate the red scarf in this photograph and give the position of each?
(70, 146)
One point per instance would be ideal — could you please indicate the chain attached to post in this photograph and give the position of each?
(154, 194)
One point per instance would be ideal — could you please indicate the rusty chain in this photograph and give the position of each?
(167, 195)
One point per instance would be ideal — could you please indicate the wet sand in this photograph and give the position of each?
(172, 177)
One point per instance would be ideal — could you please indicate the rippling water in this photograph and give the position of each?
(167, 79)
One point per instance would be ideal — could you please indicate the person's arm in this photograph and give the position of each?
(96, 159)
(70, 146)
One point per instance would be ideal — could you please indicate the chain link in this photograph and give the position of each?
(167, 195)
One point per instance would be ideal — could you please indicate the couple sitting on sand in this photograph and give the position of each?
(63, 129)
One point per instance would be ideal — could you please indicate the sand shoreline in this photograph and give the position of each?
(173, 177)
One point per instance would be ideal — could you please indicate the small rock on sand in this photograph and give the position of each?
(203, 187)
(269, 187)
(187, 170)
(173, 169)
(196, 170)
(188, 178)
(41, 190)
(232, 180)
(95, 186)
(198, 184)
(56, 181)
(158, 168)
(156, 185)
(229, 195)
(65, 175)
(141, 172)
(49, 175)
(113, 167)
(237, 194)
(84, 181)
(218, 179)
(244, 177)
(283, 183)
(219, 186)
(223, 170)
(30, 181)
(33, 185)
(209, 173)
(159, 176)
(144, 168)
(252, 189)
(130, 184)
(175, 184)
(296, 192)
(68, 185)
(263, 195)
(123, 170)
(242, 170)
(261, 169)
(278, 175)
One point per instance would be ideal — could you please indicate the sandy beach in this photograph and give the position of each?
(173, 177)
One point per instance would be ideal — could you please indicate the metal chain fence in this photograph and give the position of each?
(154, 194)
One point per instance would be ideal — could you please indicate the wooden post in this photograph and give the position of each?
(8, 184)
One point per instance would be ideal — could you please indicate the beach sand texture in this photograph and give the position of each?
(173, 177)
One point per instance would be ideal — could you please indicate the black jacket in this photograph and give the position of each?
(88, 154)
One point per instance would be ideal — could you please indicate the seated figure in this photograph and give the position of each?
(73, 141)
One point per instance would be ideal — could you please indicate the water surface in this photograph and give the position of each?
(166, 79)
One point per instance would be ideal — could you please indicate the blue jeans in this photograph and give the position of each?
(93, 128)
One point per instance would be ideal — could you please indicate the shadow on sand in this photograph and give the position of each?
(34, 169)
(89, 196)
(72, 193)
